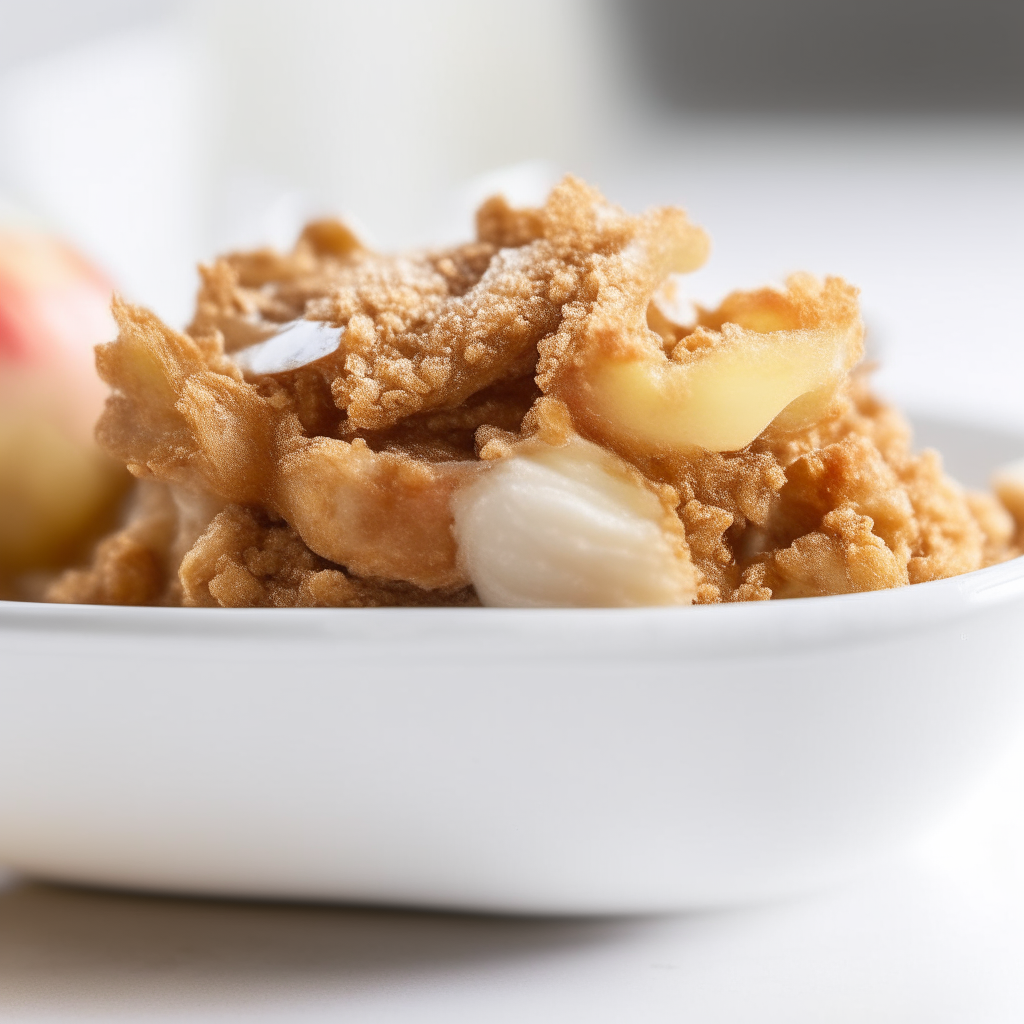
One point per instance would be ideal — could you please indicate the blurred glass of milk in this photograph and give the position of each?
(378, 109)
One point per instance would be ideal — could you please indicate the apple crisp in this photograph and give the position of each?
(515, 421)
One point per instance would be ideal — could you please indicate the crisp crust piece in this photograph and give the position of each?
(427, 330)
(244, 561)
(331, 483)
(132, 565)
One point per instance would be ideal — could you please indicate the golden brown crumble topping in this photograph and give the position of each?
(360, 476)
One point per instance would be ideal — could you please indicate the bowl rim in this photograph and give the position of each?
(739, 629)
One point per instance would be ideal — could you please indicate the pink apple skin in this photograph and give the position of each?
(54, 483)
(54, 307)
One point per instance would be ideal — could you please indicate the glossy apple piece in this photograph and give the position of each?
(55, 484)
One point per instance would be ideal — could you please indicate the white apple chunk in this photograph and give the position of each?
(570, 527)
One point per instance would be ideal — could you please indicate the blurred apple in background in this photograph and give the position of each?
(56, 488)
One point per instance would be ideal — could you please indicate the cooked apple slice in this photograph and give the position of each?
(762, 356)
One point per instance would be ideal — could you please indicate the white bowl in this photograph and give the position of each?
(514, 760)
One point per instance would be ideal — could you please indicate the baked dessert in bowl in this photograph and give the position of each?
(346, 453)
(516, 421)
